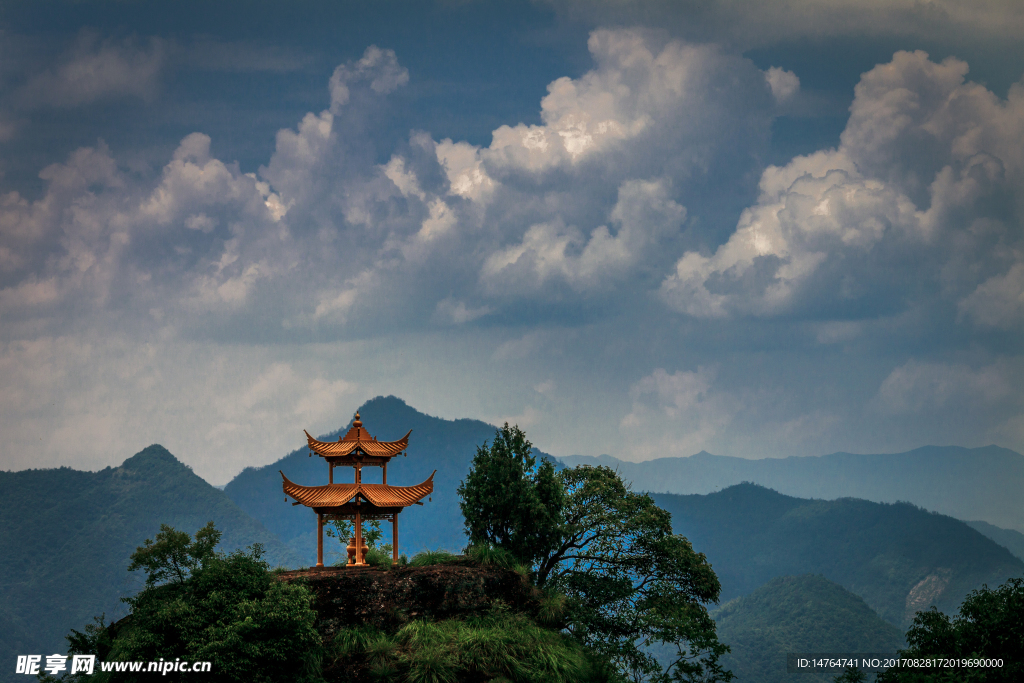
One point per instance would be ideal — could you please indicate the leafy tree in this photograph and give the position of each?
(629, 582)
(852, 674)
(990, 625)
(174, 556)
(510, 502)
(228, 610)
(344, 530)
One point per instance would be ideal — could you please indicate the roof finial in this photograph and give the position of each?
(357, 422)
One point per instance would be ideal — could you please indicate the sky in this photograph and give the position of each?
(640, 228)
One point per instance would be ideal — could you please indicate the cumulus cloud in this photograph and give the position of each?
(612, 203)
(919, 386)
(379, 67)
(97, 69)
(999, 301)
(784, 84)
(643, 214)
(675, 414)
(917, 201)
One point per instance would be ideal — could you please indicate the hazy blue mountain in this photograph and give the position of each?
(966, 483)
(66, 536)
(445, 445)
(898, 557)
(805, 613)
(1008, 538)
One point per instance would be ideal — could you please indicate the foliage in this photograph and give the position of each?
(493, 647)
(508, 501)
(798, 614)
(65, 561)
(990, 624)
(229, 610)
(487, 554)
(430, 557)
(344, 530)
(851, 675)
(174, 556)
(628, 582)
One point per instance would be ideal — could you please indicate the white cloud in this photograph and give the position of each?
(999, 301)
(644, 213)
(574, 222)
(379, 67)
(784, 84)
(917, 386)
(455, 312)
(634, 91)
(920, 190)
(219, 408)
(95, 70)
(675, 414)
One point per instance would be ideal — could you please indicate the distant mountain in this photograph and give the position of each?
(66, 536)
(798, 614)
(966, 483)
(898, 557)
(445, 445)
(1008, 538)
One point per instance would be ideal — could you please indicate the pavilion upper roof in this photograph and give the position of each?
(378, 495)
(358, 440)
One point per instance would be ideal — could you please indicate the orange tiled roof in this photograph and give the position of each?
(379, 495)
(358, 439)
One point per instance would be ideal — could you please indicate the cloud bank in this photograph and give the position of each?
(608, 220)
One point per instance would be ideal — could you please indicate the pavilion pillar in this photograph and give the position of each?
(385, 473)
(330, 476)
(319, 540)
(360, 560)
(394, 537)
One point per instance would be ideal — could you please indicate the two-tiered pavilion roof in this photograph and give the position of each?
(357, 501)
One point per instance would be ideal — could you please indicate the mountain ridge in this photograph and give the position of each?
(66, 537)
(966, 483)
(804, 613)
(897, 556)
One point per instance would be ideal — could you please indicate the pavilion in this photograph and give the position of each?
(357, 501)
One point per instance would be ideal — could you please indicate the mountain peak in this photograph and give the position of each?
(154, 458)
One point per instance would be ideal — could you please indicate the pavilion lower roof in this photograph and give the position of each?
(378, 495)
(358, 440)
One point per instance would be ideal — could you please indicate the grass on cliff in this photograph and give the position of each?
(497, 647)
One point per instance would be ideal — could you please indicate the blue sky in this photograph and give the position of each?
(635, 228)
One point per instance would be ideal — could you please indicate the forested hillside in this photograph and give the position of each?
(805, 613)
(66, 536)
(898, 557)
(1008, 538)
(966, 483)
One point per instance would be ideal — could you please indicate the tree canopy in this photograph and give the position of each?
(199, 605)
(174, 556)
(989, 625)
(509, 501)
(629, 582)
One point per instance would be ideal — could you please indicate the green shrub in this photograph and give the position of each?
(487, 554)
(497, 647)
(229, 610)
(429, 557)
